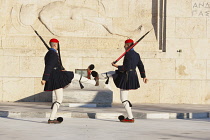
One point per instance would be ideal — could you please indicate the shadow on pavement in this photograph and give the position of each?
(45, 122)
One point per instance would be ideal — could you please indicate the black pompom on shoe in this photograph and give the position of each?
(121, 117)
(60, 119)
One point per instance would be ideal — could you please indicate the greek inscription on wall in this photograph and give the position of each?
(201, 8)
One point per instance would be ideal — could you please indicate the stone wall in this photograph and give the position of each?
(180, 72)
(181, 77)
(93, 31)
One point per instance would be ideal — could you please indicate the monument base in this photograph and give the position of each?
(89, 96)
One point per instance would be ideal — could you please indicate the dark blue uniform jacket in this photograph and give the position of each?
(54, 75)
(126, 75)
(51, 63)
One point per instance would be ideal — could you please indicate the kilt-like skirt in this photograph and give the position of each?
(58, 79)
(126, 80)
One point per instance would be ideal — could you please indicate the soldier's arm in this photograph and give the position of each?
(140, 66)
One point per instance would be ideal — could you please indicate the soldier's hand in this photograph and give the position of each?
(43, 82)
(145, 80)
(115, 65)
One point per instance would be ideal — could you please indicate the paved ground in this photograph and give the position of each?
(27, 120)
(101, 129)
(140, 111)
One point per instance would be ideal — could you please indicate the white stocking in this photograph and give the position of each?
(124, 97)
(59, 99)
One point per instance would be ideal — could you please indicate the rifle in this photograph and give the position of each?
(130, 47)
(41, 39)
(49, 47)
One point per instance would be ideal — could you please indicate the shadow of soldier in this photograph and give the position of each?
(45, 96)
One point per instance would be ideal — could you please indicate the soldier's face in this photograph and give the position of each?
(55, 46)
(126, 46)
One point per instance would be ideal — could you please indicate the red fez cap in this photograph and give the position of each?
(129, 41)
(54, 40)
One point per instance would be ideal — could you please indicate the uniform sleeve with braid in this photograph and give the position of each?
(140, 66)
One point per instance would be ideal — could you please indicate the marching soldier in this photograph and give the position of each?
(55, 77)
(126, 78)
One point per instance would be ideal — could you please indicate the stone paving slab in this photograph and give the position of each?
(140, 111)
(104, 129)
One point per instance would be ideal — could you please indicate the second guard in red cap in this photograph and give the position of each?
(126, 78)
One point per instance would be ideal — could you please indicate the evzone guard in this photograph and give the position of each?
(55, 77)
(126, 78)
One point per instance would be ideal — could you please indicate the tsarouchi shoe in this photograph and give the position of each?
(53, 121)
(128, 120)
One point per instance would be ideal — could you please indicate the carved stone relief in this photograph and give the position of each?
(63, 19)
